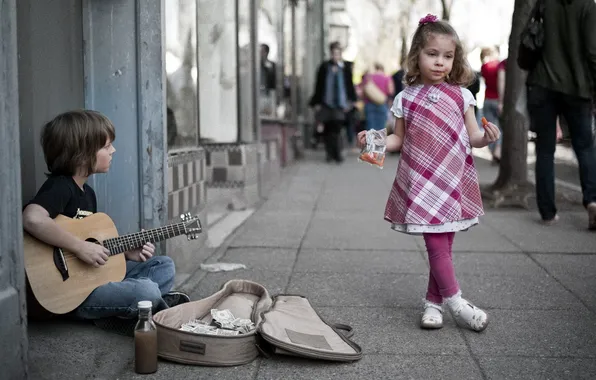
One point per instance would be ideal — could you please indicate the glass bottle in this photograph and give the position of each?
(145, 340)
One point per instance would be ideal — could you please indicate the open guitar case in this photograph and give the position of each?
(285, 325)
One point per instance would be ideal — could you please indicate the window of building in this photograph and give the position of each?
(181, 73)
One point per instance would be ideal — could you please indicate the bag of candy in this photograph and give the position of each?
(374, 150)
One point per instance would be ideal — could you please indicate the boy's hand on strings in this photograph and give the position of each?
(141, 254)
(93, 254)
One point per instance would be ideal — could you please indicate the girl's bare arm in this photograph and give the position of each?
(395, 140)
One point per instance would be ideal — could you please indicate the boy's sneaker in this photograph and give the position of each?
(432, 318)
(466, 314)
(175, 298)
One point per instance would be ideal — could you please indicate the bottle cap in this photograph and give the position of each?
(145, 305)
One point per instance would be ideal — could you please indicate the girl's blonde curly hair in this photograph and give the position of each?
(461, 73)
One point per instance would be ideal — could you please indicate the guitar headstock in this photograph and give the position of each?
(192, 226)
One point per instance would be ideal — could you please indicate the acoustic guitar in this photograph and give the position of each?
(61, 282)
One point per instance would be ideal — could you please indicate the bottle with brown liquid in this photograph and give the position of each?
(145, 340)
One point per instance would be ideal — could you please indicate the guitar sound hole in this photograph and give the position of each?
(93, 240)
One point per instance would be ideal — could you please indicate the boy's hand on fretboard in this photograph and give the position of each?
(141, 254)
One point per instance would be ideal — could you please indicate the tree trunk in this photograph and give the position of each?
(512, 186)
(404, 48)
(446, 9)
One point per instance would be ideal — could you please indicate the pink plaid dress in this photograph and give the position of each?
(436, 186)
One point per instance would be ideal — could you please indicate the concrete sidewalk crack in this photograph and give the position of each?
(586, 305)
(474, 357)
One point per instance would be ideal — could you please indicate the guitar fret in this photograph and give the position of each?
(137, 240)
(111, 246)
(106, 244)
(128, 242)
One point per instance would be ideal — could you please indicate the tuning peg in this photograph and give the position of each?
(183, 216)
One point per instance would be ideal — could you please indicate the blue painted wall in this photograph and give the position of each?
(110, 63)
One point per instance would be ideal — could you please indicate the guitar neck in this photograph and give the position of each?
(132, 241)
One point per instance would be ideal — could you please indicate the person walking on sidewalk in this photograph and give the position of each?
(333, 99)
(436, 191)
(562, 84)
(490, 72)
(375, 105)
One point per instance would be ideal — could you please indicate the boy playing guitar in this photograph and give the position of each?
(76, 145)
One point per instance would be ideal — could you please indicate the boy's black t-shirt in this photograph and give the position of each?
(62, 195)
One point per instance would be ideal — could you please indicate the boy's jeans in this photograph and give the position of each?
(144, 281)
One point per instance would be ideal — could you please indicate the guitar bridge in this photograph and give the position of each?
(60, 263)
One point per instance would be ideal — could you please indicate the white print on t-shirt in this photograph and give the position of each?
(82, 213)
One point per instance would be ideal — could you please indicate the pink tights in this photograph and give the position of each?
(441, 280)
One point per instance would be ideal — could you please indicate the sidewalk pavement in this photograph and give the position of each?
(321, 234)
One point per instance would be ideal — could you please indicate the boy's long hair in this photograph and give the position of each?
(71, 141)
(461, 72)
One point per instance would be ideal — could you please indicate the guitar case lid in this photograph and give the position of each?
(285, 325)
(293, 327)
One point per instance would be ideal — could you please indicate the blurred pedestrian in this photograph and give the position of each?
(377, 88)
(490, 67)
(562, 84)
(334, 97)
(398, 78)
(474, 88)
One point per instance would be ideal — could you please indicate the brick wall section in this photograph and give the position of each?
(186, 182)
(187, 193)
(233, 169)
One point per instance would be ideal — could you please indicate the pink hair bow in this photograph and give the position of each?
(428, 19)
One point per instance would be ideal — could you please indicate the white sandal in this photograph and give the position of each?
(466, 314)
(432, 318)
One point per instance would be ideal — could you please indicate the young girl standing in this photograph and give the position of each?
(436, 192)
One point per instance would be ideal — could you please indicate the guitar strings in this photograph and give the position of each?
(115, 242)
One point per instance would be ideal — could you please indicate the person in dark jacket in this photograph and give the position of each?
(474, 88)
(268, 79)
(334, 97)
(562, 83)
(398, 78)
